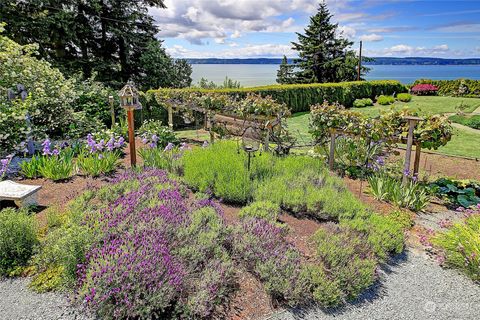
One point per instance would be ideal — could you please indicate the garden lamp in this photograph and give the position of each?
(129, 101)
(250, 146)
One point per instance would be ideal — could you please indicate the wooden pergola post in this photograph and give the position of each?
(416, 163)
(170, 117)
(412, 121)
(331, 157)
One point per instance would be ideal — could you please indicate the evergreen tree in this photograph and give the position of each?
(285, 74)
(324, 54)
(112, 38)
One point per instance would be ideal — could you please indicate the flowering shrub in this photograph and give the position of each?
(459, 245)
(262, 248)
(154, 134)
(148, 244)
(49, 94)
(13, 128)
(424, 89)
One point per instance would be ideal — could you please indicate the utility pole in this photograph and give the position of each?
(360, 62)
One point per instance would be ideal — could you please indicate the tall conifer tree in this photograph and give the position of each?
(324, 54)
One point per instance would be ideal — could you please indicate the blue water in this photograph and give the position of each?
(251, 75)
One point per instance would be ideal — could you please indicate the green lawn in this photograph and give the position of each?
(428, 105)
(464, 142)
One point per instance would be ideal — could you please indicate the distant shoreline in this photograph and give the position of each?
(377, 61)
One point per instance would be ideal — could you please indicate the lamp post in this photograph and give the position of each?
(129, 101)
(250, 146)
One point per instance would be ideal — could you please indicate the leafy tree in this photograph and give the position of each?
(113, 38)
(324, 54)
(285, 73)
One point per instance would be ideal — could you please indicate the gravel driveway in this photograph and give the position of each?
(18, 302)
(412, 288)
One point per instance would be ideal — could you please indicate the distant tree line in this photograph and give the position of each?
(114, 39)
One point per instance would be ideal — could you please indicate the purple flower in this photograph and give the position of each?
(155, 138)
(100, 156)
(169, 147)
(144, 140)
(46, 147)
(111, 144)
(56, 152)
(184, 146)
(380, 161)
(406, 172)
(152, 145)
(205, 144)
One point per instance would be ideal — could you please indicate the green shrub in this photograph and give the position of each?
(403, 218)
(347, 256)
(299, 97)
(385, 100)
(95, 164)
(18, 238)
(413, 195)
(384, 234)
(404, 97)
(324, 290)
(62, 250)
(362, 103)
(461, 246)
(50, 94)
(469, 121)
(261, 209)
(222, 169)
(57, 168)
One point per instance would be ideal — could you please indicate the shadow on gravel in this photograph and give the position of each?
(377, 290)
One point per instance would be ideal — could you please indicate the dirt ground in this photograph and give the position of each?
(437, 165)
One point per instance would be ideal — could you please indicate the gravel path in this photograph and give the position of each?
(17, 302)
(413, 288)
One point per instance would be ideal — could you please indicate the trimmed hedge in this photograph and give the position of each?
(299, 97)
(456, 88)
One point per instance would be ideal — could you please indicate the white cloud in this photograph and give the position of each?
(403, 50)
(347, 31)
(249, 51)
(235, 35)
(197, 21)
(373, 37)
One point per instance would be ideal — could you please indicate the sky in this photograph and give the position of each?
(266, 28)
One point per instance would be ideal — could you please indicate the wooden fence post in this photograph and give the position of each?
(412, 121)
(416, 164)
